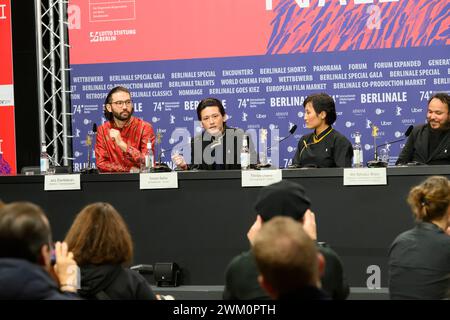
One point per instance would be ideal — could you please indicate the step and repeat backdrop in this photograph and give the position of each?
(381, 60)
(7, 135)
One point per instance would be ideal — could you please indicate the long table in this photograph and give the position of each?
(203, 224)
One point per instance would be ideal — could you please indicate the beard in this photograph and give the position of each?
(123, 116)
(442, 127)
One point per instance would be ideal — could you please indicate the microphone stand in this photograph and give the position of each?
(159, 166)
(376, 163)
(89, 169)
(268, 165)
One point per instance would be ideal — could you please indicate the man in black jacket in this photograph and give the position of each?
(430, 143)
(26, 270)
(284, 198)
(218, 147)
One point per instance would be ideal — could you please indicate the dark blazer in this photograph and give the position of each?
(225, 152)
(416, 148)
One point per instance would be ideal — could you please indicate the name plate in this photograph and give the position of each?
(365, 176)
(62, 182)
(261, 178)
(162, 180)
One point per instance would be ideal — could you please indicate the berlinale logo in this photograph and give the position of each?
(2, 12)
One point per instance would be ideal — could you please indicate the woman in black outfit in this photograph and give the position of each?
(102, 247)
(325, 147)
(419, 259)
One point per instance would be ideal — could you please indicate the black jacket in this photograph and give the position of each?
(419, 264)
(223, 153)
(416, 148)
(23, 280)
(333, 150)
(113, 282)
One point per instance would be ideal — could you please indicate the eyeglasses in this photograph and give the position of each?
(120, 103)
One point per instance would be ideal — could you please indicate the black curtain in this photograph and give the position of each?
(25, 83)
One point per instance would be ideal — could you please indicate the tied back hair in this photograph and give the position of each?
(430, 199)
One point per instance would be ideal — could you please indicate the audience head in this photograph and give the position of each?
(99, 235)
(284, 198)
(25, 233)
(286, 256)
(324, 108)
(430, 200)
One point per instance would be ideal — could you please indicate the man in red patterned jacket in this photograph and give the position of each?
(122, 141)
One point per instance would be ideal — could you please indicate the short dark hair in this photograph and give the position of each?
(322, 102)
(444, 97)
(24, 229)
(109, 115)
(99, 235)
(209, 102)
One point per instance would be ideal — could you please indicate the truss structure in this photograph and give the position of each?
(53, 80)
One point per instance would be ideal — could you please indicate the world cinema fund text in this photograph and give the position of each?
(223, 311)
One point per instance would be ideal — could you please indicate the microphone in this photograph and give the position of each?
(379, 163)
(291, 132)
(407, 133)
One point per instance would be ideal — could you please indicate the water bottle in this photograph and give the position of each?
(383, 155)
(357, 152)
(245, 154)
(93, 163)
(44, 160)
(147, 163)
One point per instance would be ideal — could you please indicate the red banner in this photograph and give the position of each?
(7, 132)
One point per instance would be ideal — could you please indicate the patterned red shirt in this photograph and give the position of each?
(135, 133)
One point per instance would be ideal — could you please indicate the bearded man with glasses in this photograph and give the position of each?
(122, 140)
